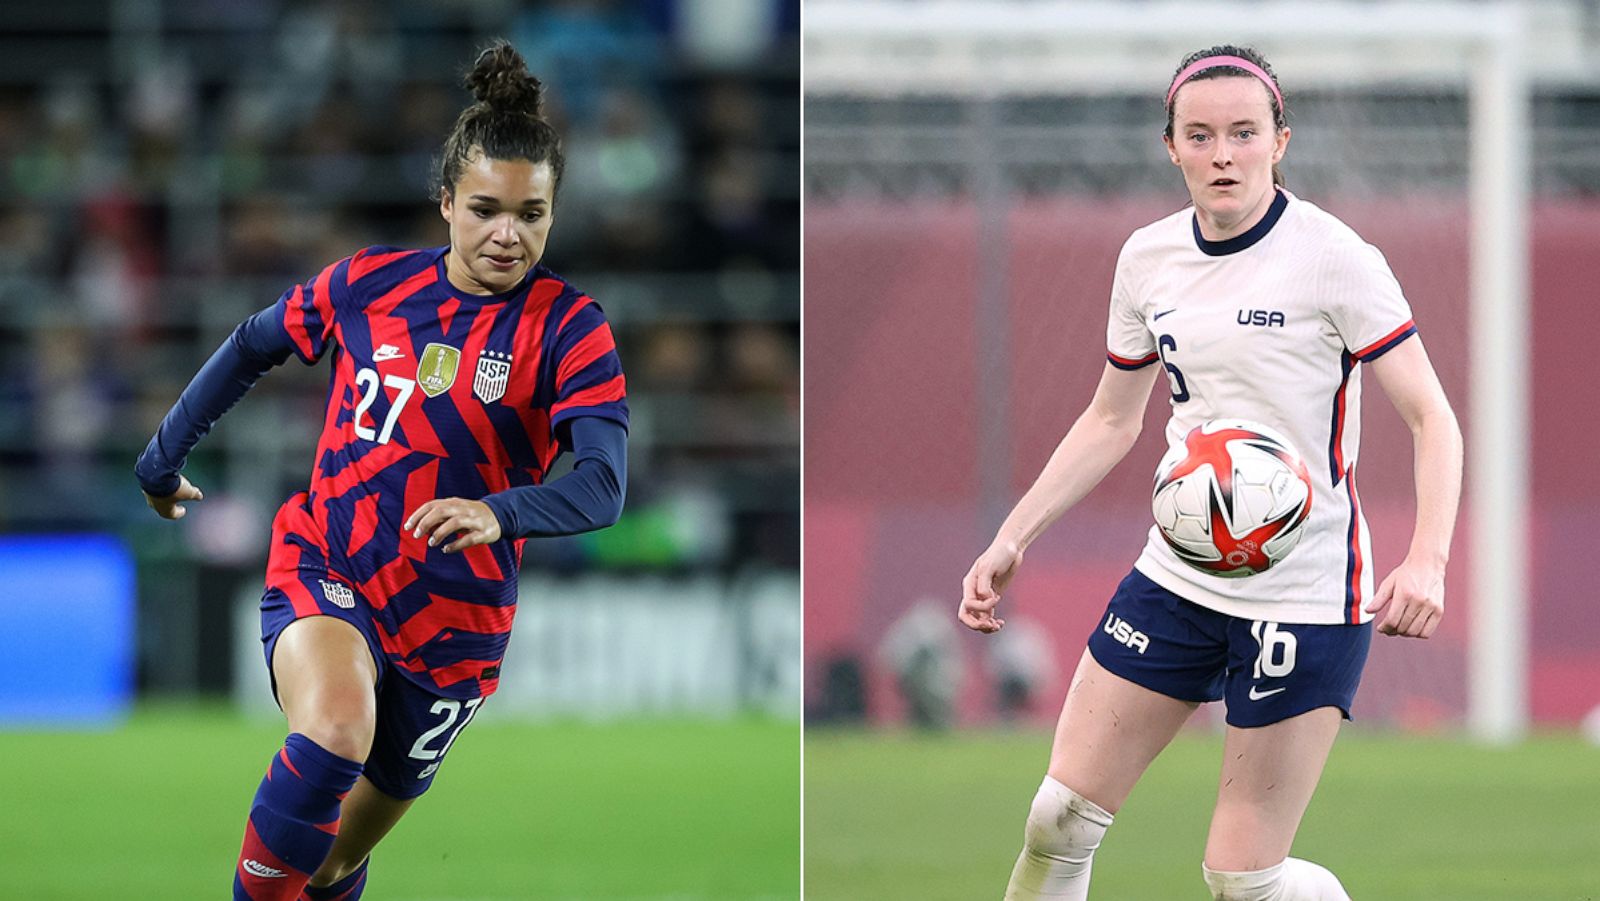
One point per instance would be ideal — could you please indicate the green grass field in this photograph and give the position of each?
(897, 816)
(640, 811)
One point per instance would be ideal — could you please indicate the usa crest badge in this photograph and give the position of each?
(339, 595)
(436, 370)
(494, 371)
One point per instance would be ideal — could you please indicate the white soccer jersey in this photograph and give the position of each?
(1267, 326)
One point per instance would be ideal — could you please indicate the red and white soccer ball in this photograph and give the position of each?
(1233, 499)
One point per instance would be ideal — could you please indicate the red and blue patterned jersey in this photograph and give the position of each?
(434, 393)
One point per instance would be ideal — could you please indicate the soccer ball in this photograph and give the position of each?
(1233, 499)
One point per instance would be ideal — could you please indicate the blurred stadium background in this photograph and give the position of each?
(169, 168)
(971, 170)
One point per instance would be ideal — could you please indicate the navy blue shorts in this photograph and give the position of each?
(1267, 671)
(415, 727)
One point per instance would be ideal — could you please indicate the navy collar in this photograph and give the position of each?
(533, 274)
(1249, 238)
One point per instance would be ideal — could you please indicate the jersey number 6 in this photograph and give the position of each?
(367, 381)
(1276, 659)
(1180, 391)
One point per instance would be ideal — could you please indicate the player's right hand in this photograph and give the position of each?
(171, 506)
(980, 590)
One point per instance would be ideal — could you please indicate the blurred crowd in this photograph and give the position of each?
(165, 179)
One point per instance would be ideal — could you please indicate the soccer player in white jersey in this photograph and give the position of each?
(1256, 305)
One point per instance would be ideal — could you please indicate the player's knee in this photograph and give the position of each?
(1291, 880)
(340, 718)
(348, 736)
(1063, 824)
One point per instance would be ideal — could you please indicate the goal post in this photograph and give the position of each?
(984, 50)
(1497, 466)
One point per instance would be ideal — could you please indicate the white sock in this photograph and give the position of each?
(1058, 845)
(1292, 880)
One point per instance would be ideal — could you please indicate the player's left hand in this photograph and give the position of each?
(439, 519)
(1410, 602)
(171, 506)
(981, 587)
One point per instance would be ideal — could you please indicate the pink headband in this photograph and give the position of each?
(1211, 62)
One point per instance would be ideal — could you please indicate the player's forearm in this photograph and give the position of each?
(249, 352)
(1438, 450)
(1090, 449)
(589, 497)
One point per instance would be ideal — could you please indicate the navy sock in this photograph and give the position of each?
(347, 889)
(293, 820)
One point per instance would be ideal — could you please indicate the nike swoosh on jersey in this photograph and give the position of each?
(1163, 313)
(386, 352)
(1258, 695)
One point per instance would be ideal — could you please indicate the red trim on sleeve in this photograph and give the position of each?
(1130, 363)
(1409, 324)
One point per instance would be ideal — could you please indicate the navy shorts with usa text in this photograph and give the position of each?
(415, 727)
(1266, 671)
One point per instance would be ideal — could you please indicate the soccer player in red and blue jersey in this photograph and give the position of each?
(460, 374)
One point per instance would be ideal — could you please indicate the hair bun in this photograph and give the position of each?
(500, 79)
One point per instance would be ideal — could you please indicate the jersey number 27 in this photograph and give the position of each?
(367, 381)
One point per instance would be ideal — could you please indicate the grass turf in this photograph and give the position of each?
(892, 816)
(661, 810)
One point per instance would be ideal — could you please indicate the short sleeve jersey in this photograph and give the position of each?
(1268, 326)
(434, 393)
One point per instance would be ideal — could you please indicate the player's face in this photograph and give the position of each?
(499, 219)
(1223, 140)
